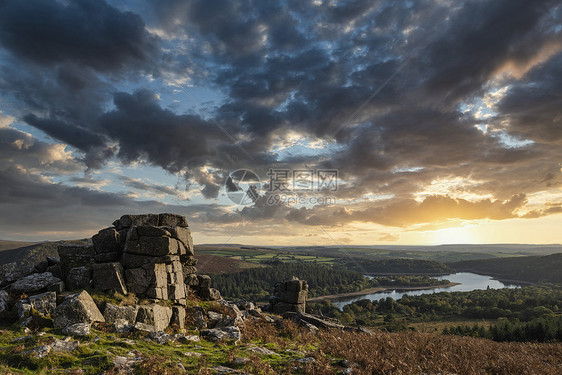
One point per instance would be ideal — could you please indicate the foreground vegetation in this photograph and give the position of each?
(256, 284)
(292, 350)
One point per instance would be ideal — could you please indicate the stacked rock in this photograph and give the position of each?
(150, 255)
(289, 295)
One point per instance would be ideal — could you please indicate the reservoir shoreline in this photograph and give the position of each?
(364, 292)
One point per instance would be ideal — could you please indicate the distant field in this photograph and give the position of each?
(444, 256)
(261, 255)
(10, 245)
(207, 263)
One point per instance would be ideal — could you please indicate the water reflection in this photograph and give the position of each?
(467, 282)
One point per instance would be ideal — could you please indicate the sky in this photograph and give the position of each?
(286, 122)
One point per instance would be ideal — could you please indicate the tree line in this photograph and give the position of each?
(257, 284)
(521, 308)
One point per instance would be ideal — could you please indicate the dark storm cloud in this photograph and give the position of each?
(481, 38)
(144, 130)
(83, 139)
(533, 107)
(383, 80)
(88, 32)
(138, 184)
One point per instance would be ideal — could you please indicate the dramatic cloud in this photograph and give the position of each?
(430, 111)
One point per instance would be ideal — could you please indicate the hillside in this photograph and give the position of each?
(33, 254)
(398, 266)
(9, 245)
(531, 269)
(272, 348)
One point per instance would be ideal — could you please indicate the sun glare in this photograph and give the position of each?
(462, 235)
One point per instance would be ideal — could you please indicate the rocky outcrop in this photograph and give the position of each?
(44, 303)
(155, 315)
(113, 313)
(150, 255)
(289, 295)
(34, 283)
(79, 308)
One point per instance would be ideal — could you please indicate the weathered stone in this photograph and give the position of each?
(204, 281)
(123, 326)
(160, 337)
(107, 257)
(79, 278)
(184, 236)
(4, 301)
(199, 319)
(75, 255)
(11, 272)
(152, 246)
(191, 280)
(186, 339)
(113, 313)
(124, 365)
(41, 267)
(38, 352)
(149, 231)
(137, 280)
(262, 351)
(52, 260)
(281, 307)
(156, 315)
(45, 303)
(127, 221)
(214, 316)
(33, 283)
(167, 219)
(245, 305)
(300, 317)
(145, 327)
(109, 276)
(176, 291)
(64, 345)
(289, 295)
(295, 285)
(293, 296)
(107, 241)
(150, 280)
(77, 329)
(80, 308)
(56, 287)
(210, 294)
(188, 260)
(135, 261)
(22, 308)
(122, 237)
(225, 333)
(55, 270)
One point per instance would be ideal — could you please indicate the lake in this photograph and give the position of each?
(467, 282)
